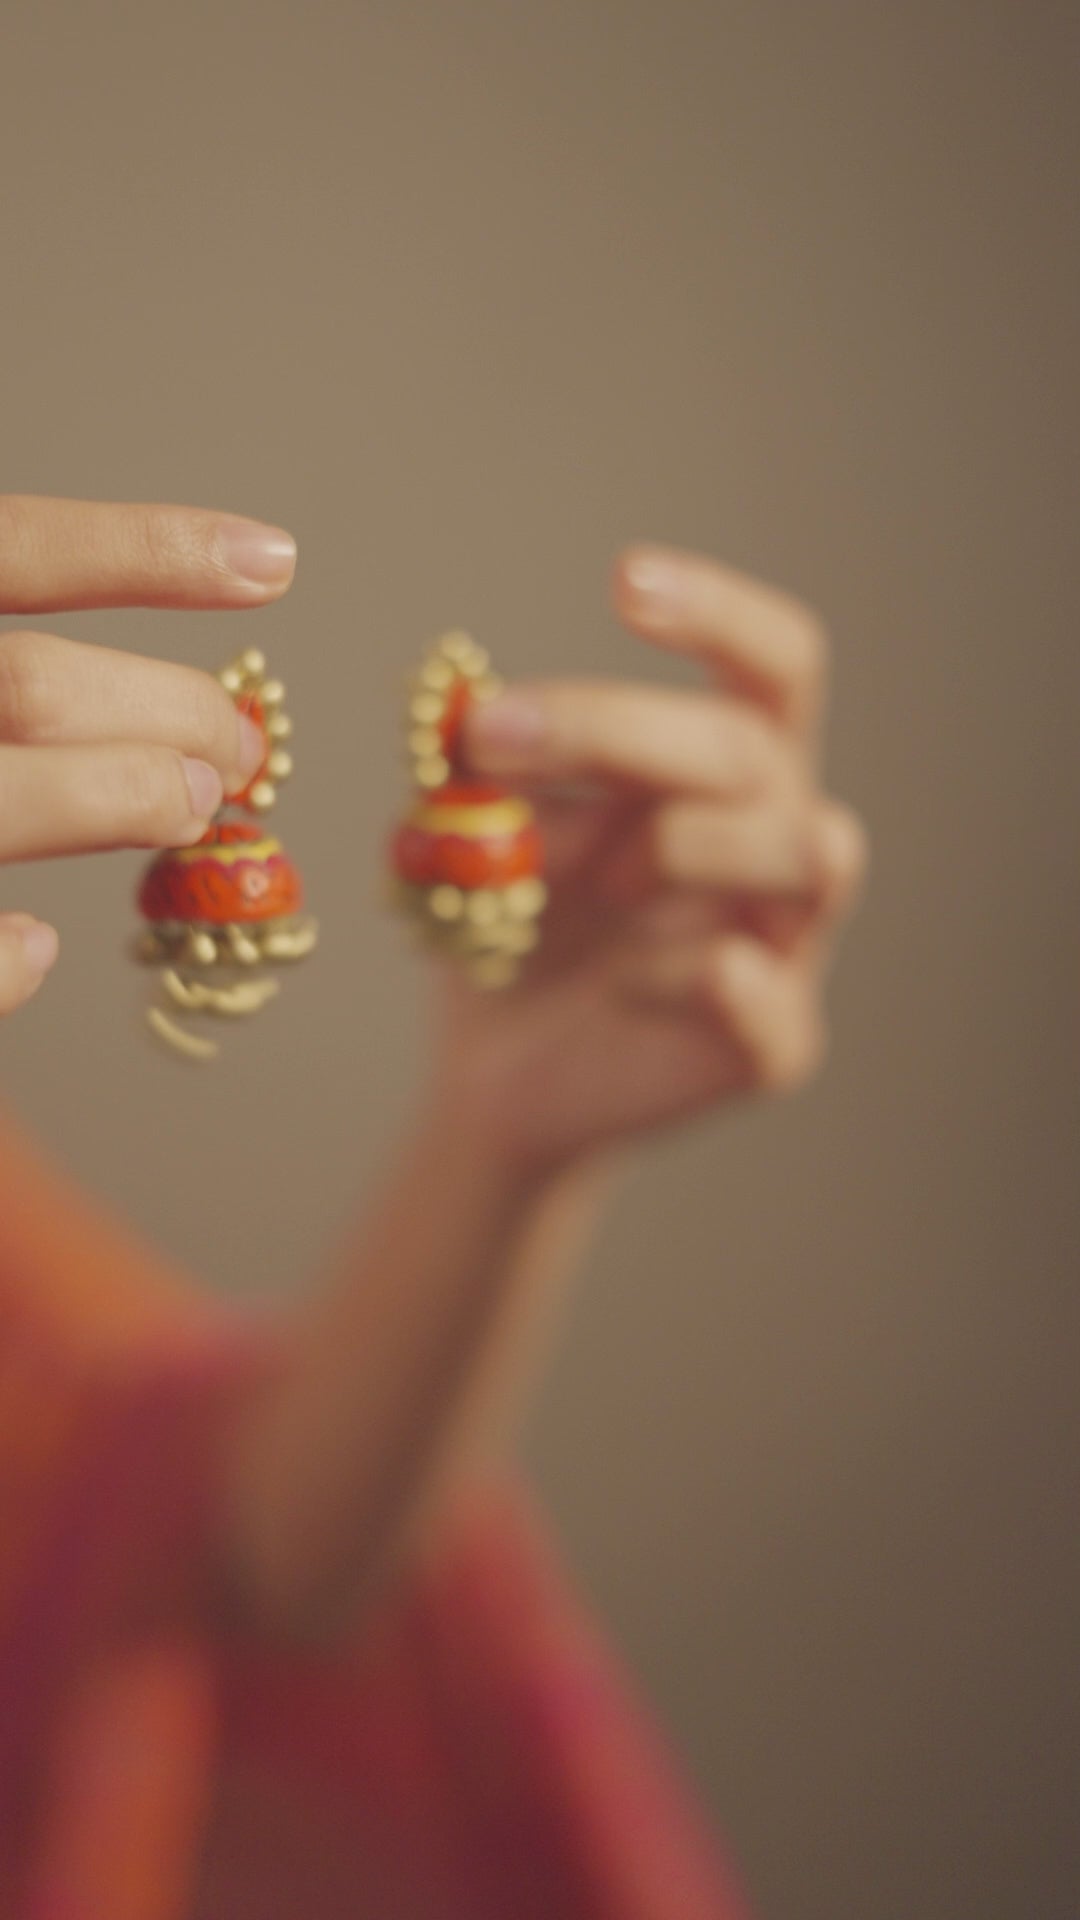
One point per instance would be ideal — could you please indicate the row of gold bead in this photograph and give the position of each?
(456, 656)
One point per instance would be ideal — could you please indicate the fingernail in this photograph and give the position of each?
(657, 584)
(205, 787)
(252, 747)
(509, 731)
(41, 944)
(264, 556)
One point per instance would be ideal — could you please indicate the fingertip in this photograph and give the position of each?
(844, 853)
(509, 733)
(777, 1025)
(744, 971)
(253, 751)
(261, 558)
(41, 944)
(205, 786)
(650, 590)
(28, 949)
(631, 561)
(624, 558)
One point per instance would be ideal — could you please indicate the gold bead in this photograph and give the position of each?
(231, 679)
(262, 796)
(279, 726)
(426, 742)
(253, 662)
(433, 772)
(447, 903)
(280, 764)
(436, 675)
(482, 907)
(525, 898)
(272, 693)
(427, 708)
(457, 646)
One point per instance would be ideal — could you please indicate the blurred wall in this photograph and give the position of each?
(467, 296)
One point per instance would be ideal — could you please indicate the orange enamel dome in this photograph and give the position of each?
(236, 874)
(467, 834)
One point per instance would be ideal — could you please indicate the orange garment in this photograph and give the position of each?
(477, 1754)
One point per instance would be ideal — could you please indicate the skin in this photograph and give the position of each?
(699, 872)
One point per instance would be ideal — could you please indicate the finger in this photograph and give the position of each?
(57, 692)
(57, 800)
(845, 859)
(57, 554)
(807, 929)
(642, 737)
(768, 1006)
(771, 850)
(28, 948)
(760, 641)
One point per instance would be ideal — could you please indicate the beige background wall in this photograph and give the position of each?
(466, 296)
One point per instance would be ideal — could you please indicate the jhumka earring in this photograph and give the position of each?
(234, 900)
(466, 863)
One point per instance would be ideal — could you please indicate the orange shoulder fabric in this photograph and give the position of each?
(477, 1752)
(111, 1367)
(76, 1273)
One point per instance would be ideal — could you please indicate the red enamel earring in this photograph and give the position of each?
(234, 900)
(466, 863)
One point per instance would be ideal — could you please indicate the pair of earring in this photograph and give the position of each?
(465, 864)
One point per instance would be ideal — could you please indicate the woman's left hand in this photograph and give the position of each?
(698, 875)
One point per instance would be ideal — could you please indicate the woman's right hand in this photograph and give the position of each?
(102, 749)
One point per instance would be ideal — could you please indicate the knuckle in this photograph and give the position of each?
(27, 686)
(170, 542)
(18, 524)
(608, 725)
(23, 552)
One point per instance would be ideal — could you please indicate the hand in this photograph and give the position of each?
(100, 749)
(698, 875)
